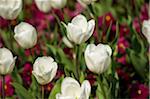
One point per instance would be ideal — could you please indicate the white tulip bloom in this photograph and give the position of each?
(10, 9)
(7, 61)
(85, 2)
(79, 30)
(25, 35)
(71, 89)
(146, 30)
(44, 69)
(67, 42)
(98, 58)
(43, 5)
(58, 3)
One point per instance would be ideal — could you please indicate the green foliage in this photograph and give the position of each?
(21, 91)
(56, 89)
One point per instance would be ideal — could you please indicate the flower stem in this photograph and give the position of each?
(99, 78)
(42, 89)
(3, 87)
(76, 64)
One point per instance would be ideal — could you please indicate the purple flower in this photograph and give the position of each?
(139, 91)
(9, 90)
(26, 74)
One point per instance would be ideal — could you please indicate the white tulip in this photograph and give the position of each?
(44, 69)
(98, 58)
(146, 30)
(7, 62)
(25, 35)
(43, 5)
(71, 89)
(67, 42)
(10, 9)
(79, 30)
(58, 3)
(85, 2)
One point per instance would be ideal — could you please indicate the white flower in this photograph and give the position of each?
(71, 89)
(146, 30)
(58, 3)
(85, 2)
(98, 58)
(44, 69)
(25, 35)
(67, 42)
(43, 5)
(7, 62)
(10, 9)
(79, 30)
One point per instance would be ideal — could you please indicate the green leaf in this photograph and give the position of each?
(16, 77)
(21, 91)
(56, 89)
(34, 88)
(139, 62)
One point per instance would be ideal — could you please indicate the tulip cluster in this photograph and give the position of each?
(72, 52)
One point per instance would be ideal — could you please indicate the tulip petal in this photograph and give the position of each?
(81, 22)
(74, 33)
(90, 63)
(90, 29)
(54, 70)
(70, 87)
(59, 96)
(86, 90)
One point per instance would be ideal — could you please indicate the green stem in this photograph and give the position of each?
(42, 88)
(76, 63)
(100, 78)
(3, 87)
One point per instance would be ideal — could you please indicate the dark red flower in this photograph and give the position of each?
(3, 23)
(122, 45)
(124, 30)
(106, 19)
(9, 90)
(139, 91)
(26, 74)
(91, 77)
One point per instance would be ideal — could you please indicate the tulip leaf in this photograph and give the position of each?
(56, 89)
(21, 91)
(139, 62)
(16, 77)
(61, 57)
(34, 88)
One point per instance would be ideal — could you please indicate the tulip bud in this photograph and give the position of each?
(79, 30)
(25, 35)
(146, 30)
(44, 69)
(58, 3)
(98, 58)
(7, 62)
(71, 89)
(10, 9)
(43, 5)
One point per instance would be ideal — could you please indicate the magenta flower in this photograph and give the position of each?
(26, 74)
(122, 45)
(3, 23)
(139, 91)
(107, 19)
(124, 30)
(9, 90)
(143, 16)
(122, 60)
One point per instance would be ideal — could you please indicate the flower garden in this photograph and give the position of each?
(74, 49)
